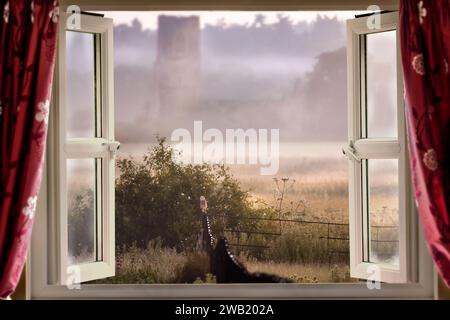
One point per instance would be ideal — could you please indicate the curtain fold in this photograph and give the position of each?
(425, 45)
(27, 56)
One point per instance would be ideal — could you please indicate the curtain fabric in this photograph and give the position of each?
(27, 56)
(425, 45)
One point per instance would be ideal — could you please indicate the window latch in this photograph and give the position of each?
(113, 146)
(350, 152)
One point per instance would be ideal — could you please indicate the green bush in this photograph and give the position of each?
(159, 198)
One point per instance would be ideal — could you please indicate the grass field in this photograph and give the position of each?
(157, 264)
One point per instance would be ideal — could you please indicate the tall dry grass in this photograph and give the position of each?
(154, 264)
(301, 272)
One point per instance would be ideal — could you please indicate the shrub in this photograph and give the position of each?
(159, 197)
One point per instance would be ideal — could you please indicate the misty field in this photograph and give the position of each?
(316, 189)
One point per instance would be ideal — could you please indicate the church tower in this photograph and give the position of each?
(178, 65)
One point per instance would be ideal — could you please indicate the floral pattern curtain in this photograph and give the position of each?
(425, 44)
(27, 56)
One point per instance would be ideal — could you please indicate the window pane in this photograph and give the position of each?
(383, 208)
(82, 209)
(80, 68)
(381, 85)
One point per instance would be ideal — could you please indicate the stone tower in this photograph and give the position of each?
(178, 65)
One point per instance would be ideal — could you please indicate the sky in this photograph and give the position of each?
(229, 17)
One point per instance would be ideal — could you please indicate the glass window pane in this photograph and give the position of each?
(383, 208)
(82, 209)
(80, 69)
(381, 85)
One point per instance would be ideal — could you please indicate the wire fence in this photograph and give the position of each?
(383, 238)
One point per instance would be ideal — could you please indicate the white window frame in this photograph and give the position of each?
(99, 149)
(39, 275)
(362, 149)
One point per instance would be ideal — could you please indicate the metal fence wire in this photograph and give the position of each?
(329, 232)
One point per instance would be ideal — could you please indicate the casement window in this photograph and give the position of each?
(83, 132)
(82, 144)
(372, 150)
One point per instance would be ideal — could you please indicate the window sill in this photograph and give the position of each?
(237, 291)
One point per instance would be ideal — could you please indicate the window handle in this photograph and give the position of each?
(113, 146)
(350, 152)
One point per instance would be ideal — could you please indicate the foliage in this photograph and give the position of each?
(159, 198)
(80, 223)
(209, 278)
(304, 279)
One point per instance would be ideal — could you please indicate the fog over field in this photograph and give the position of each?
(252, 76)
(284, 74)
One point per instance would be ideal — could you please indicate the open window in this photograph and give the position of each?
(302, 230)
(84, 151)
(379, 185)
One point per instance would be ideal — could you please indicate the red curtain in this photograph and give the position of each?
(425, 44)
(27, 56)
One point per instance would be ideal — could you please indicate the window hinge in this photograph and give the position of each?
(350, 152)
(113, 146)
